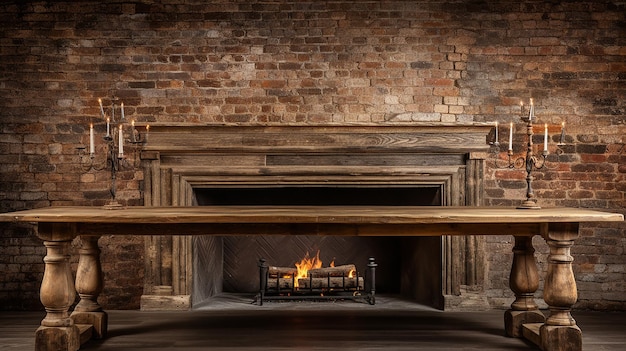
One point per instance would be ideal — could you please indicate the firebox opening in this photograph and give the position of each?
(320, 196)
(408, 266)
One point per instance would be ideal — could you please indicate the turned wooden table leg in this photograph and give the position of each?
(524, 282)
(89, 284)
(560, 331)
(57, 331)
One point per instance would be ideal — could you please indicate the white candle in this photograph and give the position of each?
(562, 132)
(496, 132)
(108, 126)
(121, 143)
(511, 137)
(101, 109)
(545, 137)
(123, 110)
(531, 112)
(92, 147)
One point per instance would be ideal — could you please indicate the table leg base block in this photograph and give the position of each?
(561, 338)
(57, 338)
(514, 320)
(99, 321)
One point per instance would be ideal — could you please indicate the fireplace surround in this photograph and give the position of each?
(417, 164)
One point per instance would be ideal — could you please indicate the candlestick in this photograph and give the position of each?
(120, 143)
(496, 132)
(114, 159)
(134, 132)
(511, 137)
(101, 109)
(529, 160)
(92, 147)
(545, 138)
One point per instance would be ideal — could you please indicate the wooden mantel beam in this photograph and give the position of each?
(419, 137)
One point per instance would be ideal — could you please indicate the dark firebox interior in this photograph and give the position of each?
(410, 266)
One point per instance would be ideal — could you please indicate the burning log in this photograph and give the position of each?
(339, 271)
(309, 279)
(282, 271)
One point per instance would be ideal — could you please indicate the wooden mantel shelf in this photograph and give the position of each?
(58, 226)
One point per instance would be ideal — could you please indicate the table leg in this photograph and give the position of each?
(560, 331)
(523, 281)
(89, 284)
(57, 331)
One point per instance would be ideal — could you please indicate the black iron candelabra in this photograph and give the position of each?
(530, 160)
(119, 135)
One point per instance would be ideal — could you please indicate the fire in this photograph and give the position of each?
(308, 263)
(332, 264)
(305, 264)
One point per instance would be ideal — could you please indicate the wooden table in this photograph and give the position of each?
(58, 226)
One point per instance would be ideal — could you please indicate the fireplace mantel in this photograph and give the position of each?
(179, 158)
(419, 137)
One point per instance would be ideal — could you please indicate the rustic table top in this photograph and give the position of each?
(309, 214)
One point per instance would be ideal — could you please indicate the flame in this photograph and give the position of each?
(305, 264)
(351, 273)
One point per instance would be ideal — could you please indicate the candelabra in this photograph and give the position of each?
(530, 161)
(115, 159)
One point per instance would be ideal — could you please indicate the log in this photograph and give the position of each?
(339, 271)
(281, 271)
(330, 282)
(315, 283)
(281, 283)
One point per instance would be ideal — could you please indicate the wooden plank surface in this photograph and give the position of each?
(415, 137)
(310, 214)
(231, 322)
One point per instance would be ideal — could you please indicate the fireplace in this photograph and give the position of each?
(240, 254)
(423, 165)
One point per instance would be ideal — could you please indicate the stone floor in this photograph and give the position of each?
(233, 323)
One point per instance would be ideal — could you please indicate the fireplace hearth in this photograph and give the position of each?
(416, 165)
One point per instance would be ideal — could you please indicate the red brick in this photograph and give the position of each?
(219, 63)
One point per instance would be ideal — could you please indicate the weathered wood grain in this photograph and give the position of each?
(310, 214)
(456, 138)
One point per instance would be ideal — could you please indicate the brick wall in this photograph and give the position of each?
(317, 62)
